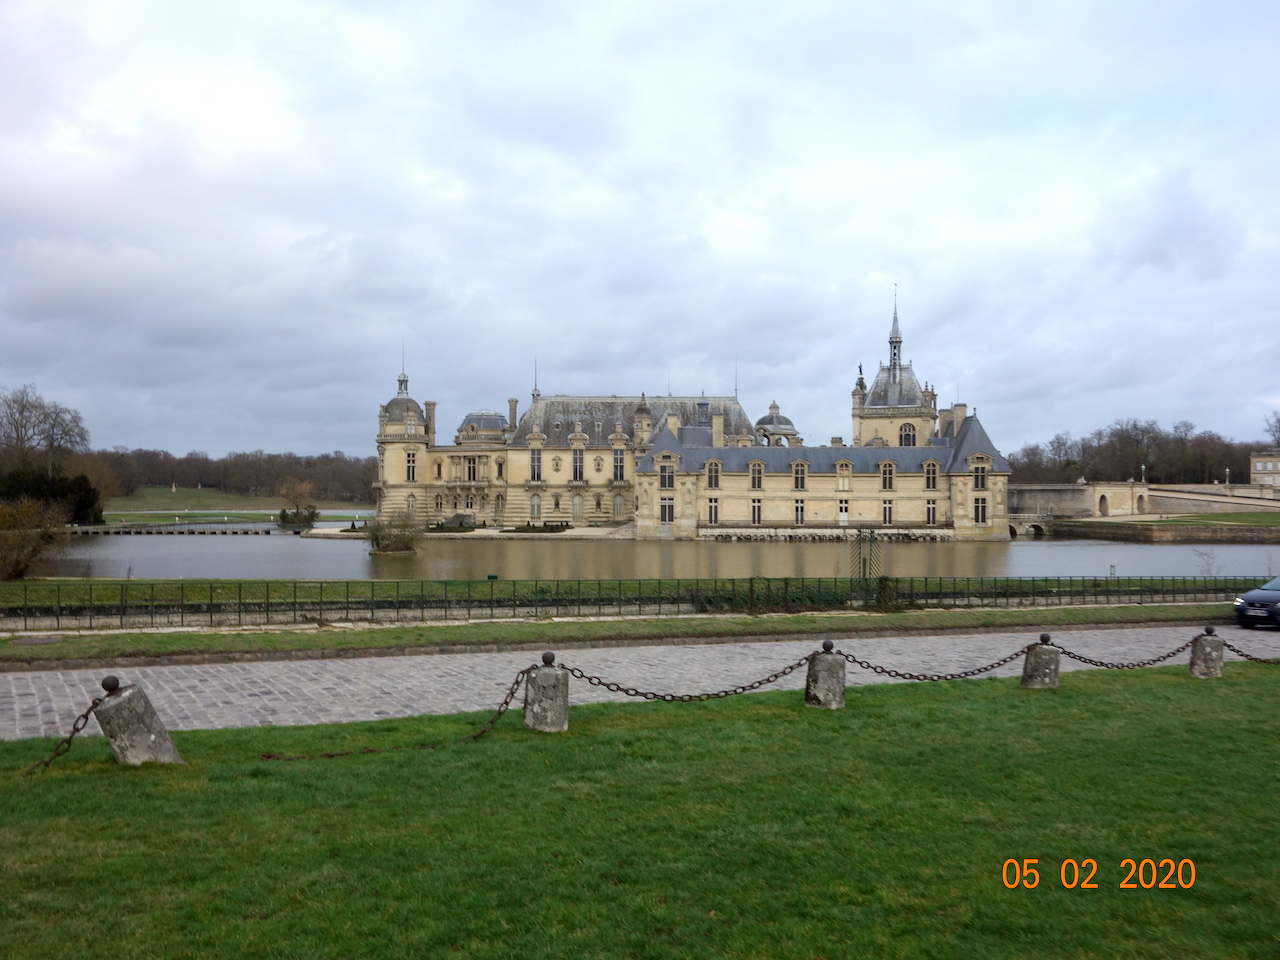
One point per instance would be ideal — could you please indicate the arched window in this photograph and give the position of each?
(439, 502)
(931, 476)
(411, 503)
(535, 506)
(713, 475)
(577, 505)
(844, 476)
(619, 505)
(886, 475)
(499, 502)
(799, 470)
(906, 435)
(757, 475)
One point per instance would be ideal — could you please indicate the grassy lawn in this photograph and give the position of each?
(750, 827)
(549, 632)
(1270, 519)
(205, 500)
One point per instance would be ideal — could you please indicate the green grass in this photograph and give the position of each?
(1271, 519)
(750, 827)
(132, 644)
(206, 500)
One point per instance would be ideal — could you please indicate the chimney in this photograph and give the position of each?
(512, 405)
(673, 423)
(958, 412)
(717, 429)
(837, 441)
(429, 410)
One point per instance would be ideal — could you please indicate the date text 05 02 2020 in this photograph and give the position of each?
(1141, 874)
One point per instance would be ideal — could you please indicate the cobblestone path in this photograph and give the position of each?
(282, 693)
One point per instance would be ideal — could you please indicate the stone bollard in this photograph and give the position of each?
(1206, 656)
(133, 727)
(824, 684)
(546, 697)
(1040, 669)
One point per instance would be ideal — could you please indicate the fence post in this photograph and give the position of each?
(546, 697)
(133, 727)
(1040, 668)
(1206, 656)
(824, 683)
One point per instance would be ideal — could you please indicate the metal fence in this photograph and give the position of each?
(120, 604)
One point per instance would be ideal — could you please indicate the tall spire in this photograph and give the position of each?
(895, 335)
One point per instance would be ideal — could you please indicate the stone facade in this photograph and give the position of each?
(1264, 468)
(697, 467)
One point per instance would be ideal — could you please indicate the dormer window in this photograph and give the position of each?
(931, 476)
(757, 475)
(844, 476)
(713, 475)
(980, 476)
(886, 475)
(666, 477)
(799, 473)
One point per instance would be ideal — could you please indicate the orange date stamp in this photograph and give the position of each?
(1074, 874)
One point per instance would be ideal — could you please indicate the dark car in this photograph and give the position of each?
(1260, 605)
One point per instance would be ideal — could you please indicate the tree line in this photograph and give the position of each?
(1131, 449)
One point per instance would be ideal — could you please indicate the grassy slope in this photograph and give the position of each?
(208, 499)
(751, 827)
(1247, 519)
(548, 632)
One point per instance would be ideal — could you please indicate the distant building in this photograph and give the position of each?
(1265, 467)
(697, 467)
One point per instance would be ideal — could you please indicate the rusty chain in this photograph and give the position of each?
(686, 697)
(65, 743)
(1139, 663)
(469, 738)
(1248, 656)
(934, 676)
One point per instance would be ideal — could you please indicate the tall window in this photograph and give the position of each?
(886, 476)
(439, 502)
(382, 464)
(577, 505)
(843, 476)
(799, 513)
(439, 469)
(471, 470)
(412, 504)
(667, 510)
(666, 477)
(931, 476)
(501, 464)
(886, 512)
(713, 510)
(410, 466)
(906, 435)
(979, 509)
(500, 502)
(535, 464)
(535, 506)
(756, 511)
(713, 475)
(931, 512)
(619, 505)
(980, 477)
(798, 471)
(619, 465)
(577, 465)
(844, 512)
(757, 476)
(471, 501)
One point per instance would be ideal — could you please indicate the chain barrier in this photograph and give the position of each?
(1130, 666)
(901, 675)
(687, 697)
(65, 743)
(484, 728)
(1248, 656)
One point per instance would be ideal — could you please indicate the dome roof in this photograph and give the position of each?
(397, 407)
(775, 421)
(483, 420)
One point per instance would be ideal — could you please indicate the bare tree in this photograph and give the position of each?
(31, 427)
(1272, 424)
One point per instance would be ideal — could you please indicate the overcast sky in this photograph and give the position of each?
(219, 222)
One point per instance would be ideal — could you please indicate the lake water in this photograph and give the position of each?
(296, 558)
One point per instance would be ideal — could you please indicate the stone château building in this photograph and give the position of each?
(697, 467)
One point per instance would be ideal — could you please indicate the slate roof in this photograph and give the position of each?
(558, 414)
(894, 387)
(484, 420)
(950, 457)
(397, 407)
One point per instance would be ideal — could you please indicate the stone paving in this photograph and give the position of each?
(283, 693)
